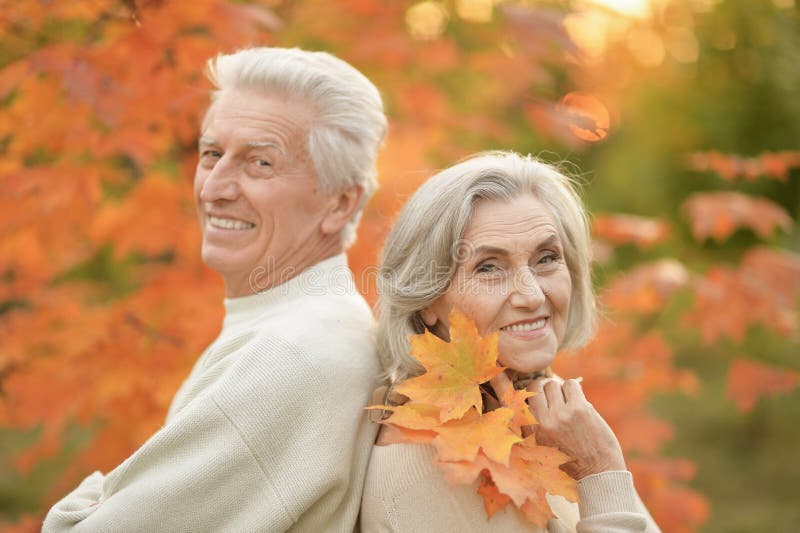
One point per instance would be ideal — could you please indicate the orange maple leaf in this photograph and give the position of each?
(517, 402)
(454, 370)
(493, 499)
(460, 440)
(417, 416)
(532, 473)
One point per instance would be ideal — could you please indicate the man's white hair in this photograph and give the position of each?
(348, 122)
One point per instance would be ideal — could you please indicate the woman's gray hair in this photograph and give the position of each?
(422, 250)
(348, 124)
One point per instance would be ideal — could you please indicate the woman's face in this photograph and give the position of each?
(512, 277)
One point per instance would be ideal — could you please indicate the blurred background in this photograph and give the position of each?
(680, 118)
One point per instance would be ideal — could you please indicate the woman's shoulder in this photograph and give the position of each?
(405, 491)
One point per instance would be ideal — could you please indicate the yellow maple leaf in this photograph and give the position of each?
(454, 370)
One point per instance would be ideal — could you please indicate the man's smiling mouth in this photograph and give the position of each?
(229, 223)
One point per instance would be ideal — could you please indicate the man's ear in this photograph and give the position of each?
(343, 204)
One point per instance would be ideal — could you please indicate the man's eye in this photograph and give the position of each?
(212, 153)
(263, 163)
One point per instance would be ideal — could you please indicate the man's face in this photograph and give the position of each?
(255, 188)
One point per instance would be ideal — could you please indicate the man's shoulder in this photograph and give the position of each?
(325, 327)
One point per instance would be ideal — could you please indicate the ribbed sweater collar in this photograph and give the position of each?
(316, 279)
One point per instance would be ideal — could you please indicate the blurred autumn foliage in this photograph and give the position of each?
(684, 114)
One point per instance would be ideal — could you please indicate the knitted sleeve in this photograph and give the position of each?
(609, 504)
(269, 447)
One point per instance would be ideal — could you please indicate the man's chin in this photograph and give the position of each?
(219, 260)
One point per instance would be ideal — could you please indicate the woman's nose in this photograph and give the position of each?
(527, 289)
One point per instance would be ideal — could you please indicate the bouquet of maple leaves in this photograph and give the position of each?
(445, 409)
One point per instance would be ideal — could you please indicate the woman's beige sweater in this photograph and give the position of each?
(405, 493)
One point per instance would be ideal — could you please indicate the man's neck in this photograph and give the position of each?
(280, 270)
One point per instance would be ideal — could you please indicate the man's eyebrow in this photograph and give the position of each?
(263, 144)
(207, 141)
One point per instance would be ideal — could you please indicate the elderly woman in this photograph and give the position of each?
(504, 240)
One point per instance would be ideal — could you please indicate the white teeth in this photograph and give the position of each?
(227, 223)
(528, 326)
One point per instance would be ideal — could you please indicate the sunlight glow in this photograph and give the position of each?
(631, 8)
(475, 10)
(426, 20)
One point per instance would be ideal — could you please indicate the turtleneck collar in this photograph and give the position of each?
(331, 274)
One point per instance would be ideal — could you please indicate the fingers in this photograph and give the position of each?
(572, 391)
(554, 394)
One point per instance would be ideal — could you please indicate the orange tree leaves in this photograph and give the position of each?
(775, 165)
(762, 290)
(444, 408)
(623, 229)
(719, 214)
(104, 303)
(646, 288)
(748, 380)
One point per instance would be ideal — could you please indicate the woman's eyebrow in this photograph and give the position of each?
(490, 250)
(549, 241)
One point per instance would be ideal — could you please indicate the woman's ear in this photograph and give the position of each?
(435, 318)
(428, 316)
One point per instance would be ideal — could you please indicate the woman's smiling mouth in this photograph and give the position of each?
(526, 328)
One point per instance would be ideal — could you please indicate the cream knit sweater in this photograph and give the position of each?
(405, 493)
(268, 433)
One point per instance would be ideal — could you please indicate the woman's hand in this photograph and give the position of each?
(569, 422)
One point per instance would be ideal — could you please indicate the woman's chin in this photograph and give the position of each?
(527, 363)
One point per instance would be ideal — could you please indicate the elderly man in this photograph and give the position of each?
(268, 433)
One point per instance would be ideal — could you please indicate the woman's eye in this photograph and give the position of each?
(547, 262)
(485, 268)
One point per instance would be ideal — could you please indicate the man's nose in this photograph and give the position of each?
(527, 289)
(221, 183)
